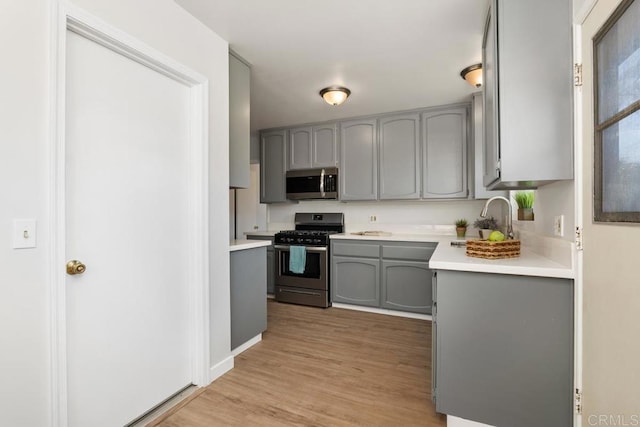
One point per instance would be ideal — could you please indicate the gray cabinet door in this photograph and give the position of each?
(271, 261)
(399, 151)
(271, 271)
(529, 126)
(505, 349)
(476, 148)
(355, 280)
(248, 295)
(445, 139)
(491, 137)
(239, 103)
(406, 286)
(273, 155)
(325, 146)
(300, 148)
(358, 160)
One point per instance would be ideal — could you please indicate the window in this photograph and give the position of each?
(617, 116)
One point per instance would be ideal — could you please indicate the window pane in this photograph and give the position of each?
(619, 64)
(621, 165)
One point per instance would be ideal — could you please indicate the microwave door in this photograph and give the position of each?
(303, 187)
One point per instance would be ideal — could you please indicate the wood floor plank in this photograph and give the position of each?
(323, 367)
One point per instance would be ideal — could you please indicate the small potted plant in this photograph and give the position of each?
(485, 226)
(525, 200)
(461, 228)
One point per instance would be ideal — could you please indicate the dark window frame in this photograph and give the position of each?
(598, 128)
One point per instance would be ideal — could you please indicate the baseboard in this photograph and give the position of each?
(253, 341)
(221, 368)
(461, 422)
(382, 311)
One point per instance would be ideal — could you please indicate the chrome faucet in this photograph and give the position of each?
(483, 214)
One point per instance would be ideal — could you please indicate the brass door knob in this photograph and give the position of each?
(75, 267)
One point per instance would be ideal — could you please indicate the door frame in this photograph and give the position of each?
(580, 15)
(65, 16)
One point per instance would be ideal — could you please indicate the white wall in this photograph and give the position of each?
(24, 311)
(388, 213)
(552, 200)
(24, 135)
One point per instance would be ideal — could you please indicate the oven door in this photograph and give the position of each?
(315, 272)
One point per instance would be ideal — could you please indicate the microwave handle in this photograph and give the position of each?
(322, 183)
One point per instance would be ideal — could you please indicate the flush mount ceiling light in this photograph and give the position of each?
(335, 95)
(473, 75)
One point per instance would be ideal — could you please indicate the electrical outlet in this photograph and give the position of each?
(373, 218)
(558, 225)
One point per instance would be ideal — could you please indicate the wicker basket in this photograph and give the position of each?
(493, 250)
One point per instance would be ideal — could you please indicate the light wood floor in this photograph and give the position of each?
(316, 367)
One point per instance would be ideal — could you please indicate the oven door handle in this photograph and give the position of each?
(296, 291)
(308, 248)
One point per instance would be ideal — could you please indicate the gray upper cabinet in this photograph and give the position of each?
(239, 108)
(359, 160)
(300, 148)
(403, 156)
(313, 147)
(273, 161)
(399, 149)
(445, 139)
(528, 93)
(475, 160)
(324, 149)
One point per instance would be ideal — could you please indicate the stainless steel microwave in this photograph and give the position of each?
(307, 184)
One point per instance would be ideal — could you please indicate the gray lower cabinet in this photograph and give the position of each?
(503, 352)
(406, 286)
(271, 271)
(271, 262)
(392, 275)
(273, 163)
(248, 295)
(356, 280)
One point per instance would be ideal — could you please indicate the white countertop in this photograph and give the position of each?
(529, 263)
(447, 257)
(240, 245)
(397, 237)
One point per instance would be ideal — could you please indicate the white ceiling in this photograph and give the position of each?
(393, 55)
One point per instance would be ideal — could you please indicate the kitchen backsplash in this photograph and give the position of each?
(388, 214)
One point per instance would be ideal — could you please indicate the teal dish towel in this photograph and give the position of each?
(297, 259)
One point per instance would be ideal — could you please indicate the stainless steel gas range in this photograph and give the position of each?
(302, 275)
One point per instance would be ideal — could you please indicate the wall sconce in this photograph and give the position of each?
(335, 95)
(473, 75)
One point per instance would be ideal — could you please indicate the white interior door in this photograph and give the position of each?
(611, 285)
(127, 159)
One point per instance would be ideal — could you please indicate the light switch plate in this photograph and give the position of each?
(24, 233)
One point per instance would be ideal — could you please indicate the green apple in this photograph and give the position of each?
(496, 236)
